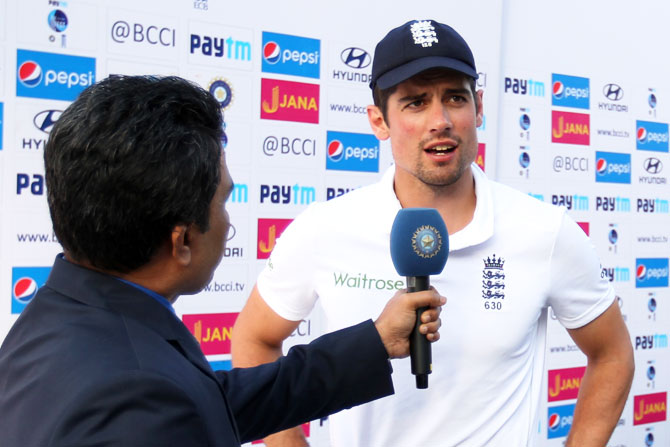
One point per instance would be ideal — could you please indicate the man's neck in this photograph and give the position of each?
(456, 202)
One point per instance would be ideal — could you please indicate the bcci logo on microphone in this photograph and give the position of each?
(426, 241)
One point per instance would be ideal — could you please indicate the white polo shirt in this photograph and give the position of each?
(516, 257)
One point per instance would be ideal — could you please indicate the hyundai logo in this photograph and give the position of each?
(231, 232)
(653, 165)
(355, 57)
(45, 119)
(613, 92)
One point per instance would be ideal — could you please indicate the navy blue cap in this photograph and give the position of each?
(417, 46)
(419, 242)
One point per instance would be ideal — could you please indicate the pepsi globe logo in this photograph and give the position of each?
(25, 289)
(641, 134)
(641, 272)
(30, 74)
(57, 20)
(554, 421)
(558, 89)
(601, 166)
(335, 150)
(271, 52)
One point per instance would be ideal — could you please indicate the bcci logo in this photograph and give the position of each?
(426, 241)
(221, 90)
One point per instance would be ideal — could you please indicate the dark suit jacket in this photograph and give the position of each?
(94, 361)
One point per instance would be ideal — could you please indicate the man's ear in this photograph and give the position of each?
(377, 122)
(181, 240)
(480, 108)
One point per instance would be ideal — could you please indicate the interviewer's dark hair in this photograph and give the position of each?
(131, 158)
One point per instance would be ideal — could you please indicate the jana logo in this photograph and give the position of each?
(570, 91)
(25, 283)
(352, 152)
(651, 272)
(291, 55)
(52, 76)
(613, 167)
(652, 136)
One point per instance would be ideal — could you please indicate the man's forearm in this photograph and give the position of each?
(602, 396)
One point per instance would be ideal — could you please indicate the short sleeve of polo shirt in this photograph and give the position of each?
(287, 281)
(578, 293)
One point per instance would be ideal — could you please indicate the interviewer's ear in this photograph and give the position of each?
(181, 238)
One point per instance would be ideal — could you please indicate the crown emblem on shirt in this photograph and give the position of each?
(494, 263)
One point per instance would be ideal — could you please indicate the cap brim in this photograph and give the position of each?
(406, 71)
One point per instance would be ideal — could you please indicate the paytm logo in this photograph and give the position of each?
(652, 136)
(651, 272)
(52, 76)
(25, 282)
(524, 87)
(570, 91)
(612, 167)
(291, 55)
(559, 420)
(352, 152)
(288, 194)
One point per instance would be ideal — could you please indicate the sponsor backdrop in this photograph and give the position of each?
(576, 115)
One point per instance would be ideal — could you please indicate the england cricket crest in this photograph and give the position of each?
(493, 283)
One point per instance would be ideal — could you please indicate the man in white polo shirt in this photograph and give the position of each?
(511, 257)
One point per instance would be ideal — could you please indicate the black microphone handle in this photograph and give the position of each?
(419, 346)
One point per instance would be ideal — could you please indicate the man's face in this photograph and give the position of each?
(208, 249)
(433, 129)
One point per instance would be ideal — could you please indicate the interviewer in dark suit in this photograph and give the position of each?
(137, 185)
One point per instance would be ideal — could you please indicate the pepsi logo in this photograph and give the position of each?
(271, 52)
(601, 166)
(335, 150)
(558, 89)
(641, 134)
(554, 421)
(30, 74)
(25, 289)
(641, 272)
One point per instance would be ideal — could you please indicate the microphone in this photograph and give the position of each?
(419, 248)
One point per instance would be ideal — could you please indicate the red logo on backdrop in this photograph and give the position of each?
(650, 408)
(268, 232)
(570, 128)
(305, 430)
(564, 383)
(289, 101)
(481, 156)
(213, 331)
(584, 226)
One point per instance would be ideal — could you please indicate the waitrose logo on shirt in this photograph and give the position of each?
(362, 281)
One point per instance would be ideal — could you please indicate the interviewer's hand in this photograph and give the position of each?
(398, 317)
